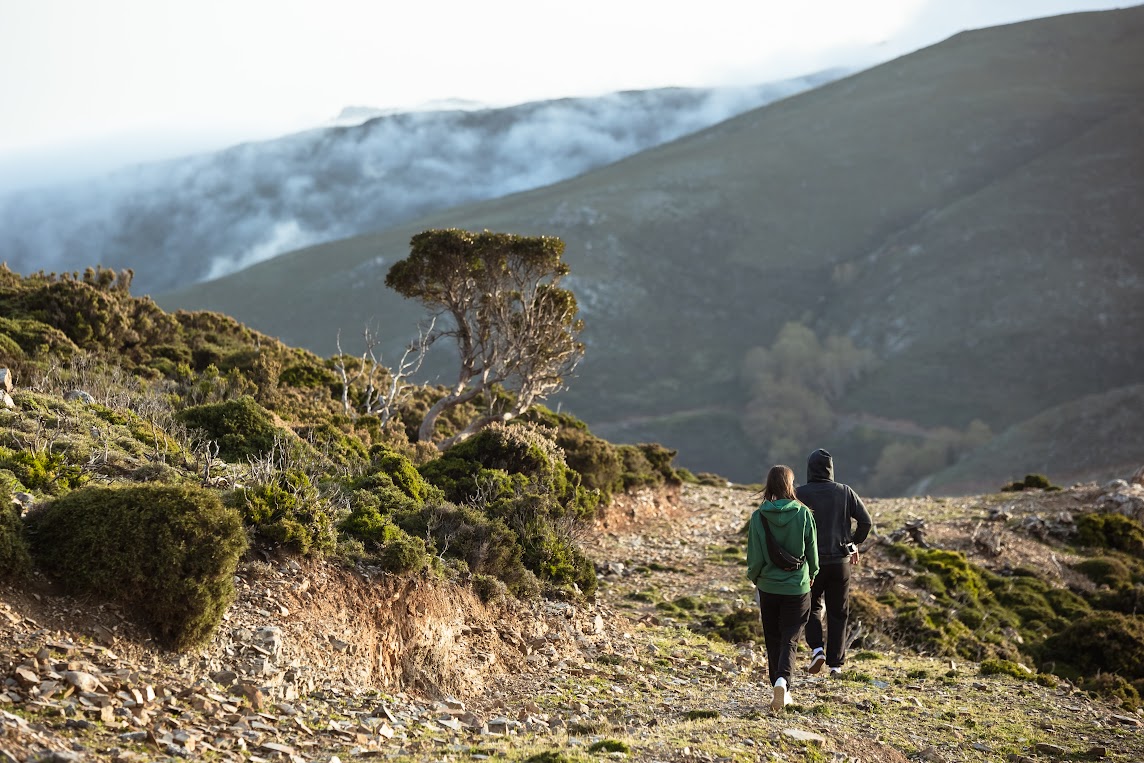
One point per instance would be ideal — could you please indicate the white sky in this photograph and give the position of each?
(81, 71)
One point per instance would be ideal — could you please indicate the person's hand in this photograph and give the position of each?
(854, 558)
(812, 582)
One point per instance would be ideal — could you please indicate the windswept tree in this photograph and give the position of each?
(498, 296)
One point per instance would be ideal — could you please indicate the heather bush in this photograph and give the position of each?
(287, 509)
(241, 427)
(14, 558)
(1111, 531)
(1103, 642)
(1106, 570)
(647, 465)
(1031, 482)
(168, 554)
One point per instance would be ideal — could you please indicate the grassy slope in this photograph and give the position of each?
(927, 207)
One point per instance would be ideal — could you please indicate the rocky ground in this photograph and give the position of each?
(319, 664)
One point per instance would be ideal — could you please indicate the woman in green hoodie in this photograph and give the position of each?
(784, 588)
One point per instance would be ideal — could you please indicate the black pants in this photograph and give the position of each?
(830, 596)
(783, 618)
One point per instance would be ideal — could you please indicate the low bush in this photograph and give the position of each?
(742, 625)
(1111, 531)
(647, 465)
(241, 427)
(1103, 642)
(167, 553)
(14, 558)
(1006, 668)
(1031, 482)
(1106, 570)
(288, 510)
(43, 471)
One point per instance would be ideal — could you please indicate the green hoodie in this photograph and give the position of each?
(792, 526)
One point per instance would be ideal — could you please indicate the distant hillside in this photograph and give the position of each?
(952, 241)
(184, 220)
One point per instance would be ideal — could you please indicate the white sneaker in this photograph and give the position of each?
(817, 660)
(779, 702)
(781, 697)
(836, 672)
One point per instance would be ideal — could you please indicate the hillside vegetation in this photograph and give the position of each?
(953, 235)
(146, 448)
(206, 549)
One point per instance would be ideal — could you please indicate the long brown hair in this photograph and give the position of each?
(780, 483)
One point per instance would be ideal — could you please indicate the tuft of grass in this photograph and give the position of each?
(610, 745)
(696, 715)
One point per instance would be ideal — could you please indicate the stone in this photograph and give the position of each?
(224, 677)
(80, 395)
(7, 401)
(931, 754)
(269, 638)
(1044, 748)
(1126, 720)
(6, 383)
(103, 635)
(24, 500)
(83, 681)
(804, 736)
(27, 677)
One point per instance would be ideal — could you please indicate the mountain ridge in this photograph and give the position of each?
(964, 213)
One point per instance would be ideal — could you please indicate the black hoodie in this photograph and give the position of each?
(835, 506)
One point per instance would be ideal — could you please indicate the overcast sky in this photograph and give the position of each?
(179, 71)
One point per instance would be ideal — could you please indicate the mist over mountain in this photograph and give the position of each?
(184, 220)
(907, 266)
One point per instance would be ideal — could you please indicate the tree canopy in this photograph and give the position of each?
(515, 328)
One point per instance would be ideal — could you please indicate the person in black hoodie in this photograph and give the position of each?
(835, 508)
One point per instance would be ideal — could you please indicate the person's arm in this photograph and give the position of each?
(810, 543)
(755, 560)
(860, 515)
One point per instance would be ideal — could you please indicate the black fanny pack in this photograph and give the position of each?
(780, 557)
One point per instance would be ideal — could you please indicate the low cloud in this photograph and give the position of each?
(185, 220)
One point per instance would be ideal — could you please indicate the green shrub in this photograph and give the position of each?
(1126, 599)
(647, 465)
(596, 460)
(336, 446)
(241, 427)
(1006, 668)
(1112, 531)
(465, 470)
(1103, 642)
(516, 477)
(167, 553)
(1106, 570)
(389, 468)
(288, 511)
(485, 544)
(14, 558)
(742, 625)
(489, 589)
(1114, 687)
(43, 471)
(1031, 482)
(609, 745)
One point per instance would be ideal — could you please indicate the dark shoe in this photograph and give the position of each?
(817, 660)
